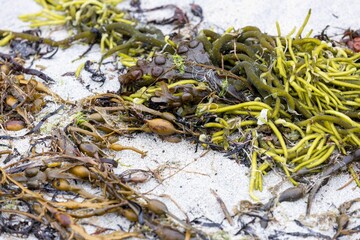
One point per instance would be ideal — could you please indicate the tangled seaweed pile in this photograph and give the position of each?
(292, 102)
(45, 195)
(21, 98)
(287, 102)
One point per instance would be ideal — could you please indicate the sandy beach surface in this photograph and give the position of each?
(190, 175)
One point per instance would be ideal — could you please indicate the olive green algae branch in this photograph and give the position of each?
(92, 36)
(262, 87)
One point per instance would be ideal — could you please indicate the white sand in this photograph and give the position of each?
(190, 188)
